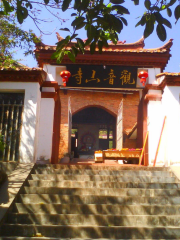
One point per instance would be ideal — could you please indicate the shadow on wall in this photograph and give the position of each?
(4, 196)
(28, 132)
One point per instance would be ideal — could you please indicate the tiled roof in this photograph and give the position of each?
(136, 47)
(168, 74)
(24, 69)
(22, 74)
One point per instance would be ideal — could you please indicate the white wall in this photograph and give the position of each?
(45, 129)
(171, 107)
(152, 72)
(155, 122)
(30, 116)
(53, 72)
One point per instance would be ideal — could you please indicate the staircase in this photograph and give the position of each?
(96, 202)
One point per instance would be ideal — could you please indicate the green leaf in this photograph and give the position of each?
(65, 29)
(136, 2)
(77, 4)
(114, 37)
(74, 36)
(46, 1)
(77, 21)
(167, 23)
(75, 51)
(55, 55)
(147, 4)
(100, 46)
(91, 33)
(105, 43)
(7, 7)
(124, 21)
(61, 44)
(24, 12)
(117, 1)
(65, 5)
(60, 56)
(102, 21)
(169, 12)
(142, 21)
(177, 12)
(80, 44)
(158, 17)
(80, 25)
(109, 5)
(123, 10)
(29, 5)
(20, 16)
(85, 4)
(71, 57)
(67, 38)
(161, 32)
(164, 7)
(149, 28)
(155, 8)
(172, 2)
(116, 24)
(92, 47)
(73, 14)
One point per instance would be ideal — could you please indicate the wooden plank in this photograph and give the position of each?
(121, 155)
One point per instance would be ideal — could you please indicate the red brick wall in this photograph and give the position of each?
(108, 101)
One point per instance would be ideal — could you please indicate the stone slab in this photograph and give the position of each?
(12, 185)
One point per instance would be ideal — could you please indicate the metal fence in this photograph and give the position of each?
(11, 109)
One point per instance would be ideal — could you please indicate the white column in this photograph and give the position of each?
(45, 129)
(155, 116)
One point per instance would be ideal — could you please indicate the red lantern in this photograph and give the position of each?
(65, 76)
(143, 75)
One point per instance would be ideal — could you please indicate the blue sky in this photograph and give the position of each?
(130, 34)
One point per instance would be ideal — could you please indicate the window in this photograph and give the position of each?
(73, 132)
(110, 134)
(102, 133)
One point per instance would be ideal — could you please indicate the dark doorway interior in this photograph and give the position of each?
(92, 129)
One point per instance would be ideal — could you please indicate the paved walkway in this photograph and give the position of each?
(11, 186)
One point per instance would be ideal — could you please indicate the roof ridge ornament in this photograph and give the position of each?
(59, 38)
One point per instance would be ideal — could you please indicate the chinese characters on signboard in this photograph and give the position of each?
(98, 76)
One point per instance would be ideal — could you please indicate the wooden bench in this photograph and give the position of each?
(121, 155)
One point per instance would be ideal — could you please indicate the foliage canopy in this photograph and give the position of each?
(102, 20)
(12, 36)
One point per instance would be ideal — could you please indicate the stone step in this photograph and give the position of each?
(103, 167)
(114, 209)
(103, 191)
(51, 238)
(101, 184)
(138, 179)
(110, 209)
(94, 220)
(94, 199)
(103, 172)
(33, 238)
(111, 232)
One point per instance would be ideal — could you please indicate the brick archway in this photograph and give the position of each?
(98, 106)
(109, 101)
(94, 128)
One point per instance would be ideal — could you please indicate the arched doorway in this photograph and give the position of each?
(93, 128)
